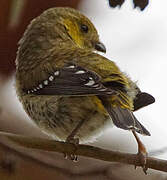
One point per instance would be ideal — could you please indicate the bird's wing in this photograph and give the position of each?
(71, 80)
(142, 99)
(124, 118)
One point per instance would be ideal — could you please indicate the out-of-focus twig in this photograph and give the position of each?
(136, 3)
(158, 152)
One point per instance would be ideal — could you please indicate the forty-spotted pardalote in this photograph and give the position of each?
(68, 90)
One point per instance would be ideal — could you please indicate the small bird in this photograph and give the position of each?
(70, 91)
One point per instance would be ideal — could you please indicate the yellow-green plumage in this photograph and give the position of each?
(53, 40)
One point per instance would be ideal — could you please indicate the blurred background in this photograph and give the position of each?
(135, 40)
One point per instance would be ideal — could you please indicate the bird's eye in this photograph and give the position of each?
(84, 28)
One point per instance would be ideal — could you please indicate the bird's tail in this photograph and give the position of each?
(125, 119)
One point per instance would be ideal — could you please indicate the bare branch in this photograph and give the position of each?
(84, 150)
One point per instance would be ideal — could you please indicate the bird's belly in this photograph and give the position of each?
(58, 116)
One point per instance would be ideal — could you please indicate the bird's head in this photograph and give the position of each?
(55, 30)
(70, 24)
(80, 29)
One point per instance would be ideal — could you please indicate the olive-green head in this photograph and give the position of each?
(58, 29)
(64, 26)
(78, 28)
(72, 25)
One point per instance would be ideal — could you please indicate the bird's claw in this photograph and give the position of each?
(74, 141)
(142, 157)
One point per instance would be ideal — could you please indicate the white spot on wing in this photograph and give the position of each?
(45, 82)
(40, 86)
(80, 72)
(56, 73)
(51, 78)
(104, 89)
(96, 85)
(72, 66)
(90, 83)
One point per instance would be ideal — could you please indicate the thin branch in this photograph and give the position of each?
(84, 150)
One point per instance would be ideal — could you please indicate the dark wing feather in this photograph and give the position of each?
(142, 99)
(72, 80)
(124, 118)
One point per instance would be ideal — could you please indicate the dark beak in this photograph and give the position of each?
(100, 47)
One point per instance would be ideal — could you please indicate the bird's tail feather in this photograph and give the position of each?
(125, 119)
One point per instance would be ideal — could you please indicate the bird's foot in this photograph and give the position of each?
(142, 158)
(73, 156)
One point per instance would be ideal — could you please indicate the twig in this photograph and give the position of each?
(84, 150)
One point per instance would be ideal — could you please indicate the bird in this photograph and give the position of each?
(70, 91)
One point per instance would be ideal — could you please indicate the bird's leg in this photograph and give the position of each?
(142, 152)
(73, 140)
